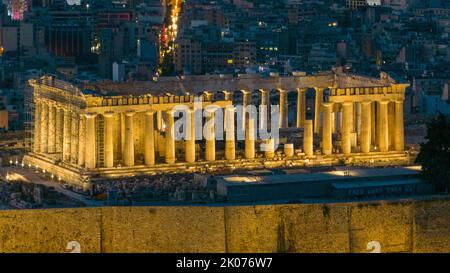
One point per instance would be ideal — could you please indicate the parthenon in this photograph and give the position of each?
(109, 129)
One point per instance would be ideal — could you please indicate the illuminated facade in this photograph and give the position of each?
(126, 129)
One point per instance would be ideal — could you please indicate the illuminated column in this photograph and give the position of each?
(37, 126)
(382, 126)
(289, 149)
(317, 109)
(90, 156)
(149, 138)
(228, 95)
(159, 120)
(128, 159)
(230, 145)
(391, 124)
(269, 148)
(109, 141)
(67, 135)
(301, 107)
(366, 124)
(358, 113)
(347, 127)
(82, 140)
(399, 141)
(74, 138)
(44, 128)
(246, 100)
(59, 130)
(283, 109)
(308, 137)
(210, 151)
(327, 141)
(170, 137)
(250, 137)
(190, 137)
(264, 117)
(51, 129)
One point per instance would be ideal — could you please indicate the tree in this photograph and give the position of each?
(434, 154)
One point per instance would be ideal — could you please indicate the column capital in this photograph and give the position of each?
(282, 91)
(398, 101)
(88, 115)
(365, 102)
(301, 90)
(108, 114)
(383, 101)
(130, 113)
(346, 103)
(150, 112)
(327, 104)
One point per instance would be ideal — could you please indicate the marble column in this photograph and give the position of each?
(109, 139)
(270, 148)
(308, 137)
(67, 135)
(399, 140)
(44, 128)
(170, 137)
(128, 159)
(90, 156)
(347, 127)
(190, 137)
(59, 130)
(159, 120)
(230, 145)
(74, 138)
(301, 107)
(318, 109)
(246, 100)
(366, 126)
(283, 109)
(82, 140)
(264, 117)
(51, 129)
(37, 126)
(250, 137)
(327, 141)
(373, 123)
(391, 124)
(382, 126)
(210, 151)
(149, 138)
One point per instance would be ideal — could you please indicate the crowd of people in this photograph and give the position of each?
(175, 187)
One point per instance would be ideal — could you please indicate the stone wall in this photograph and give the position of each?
(421, 226)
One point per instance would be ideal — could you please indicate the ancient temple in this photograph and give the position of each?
(107, 129)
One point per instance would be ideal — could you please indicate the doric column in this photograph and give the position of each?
(264, 117)
(358, 113)
(170, 137)
(128, 159)
(308, 137)
(382, 126)
(37, 126)
(301, 107)
(317, 109)
(366, 126)
(190, 137)
(67, 134)
(246, 100)
(283, 109)
(51, 128)
(44, 128)
(109, 140)
(250, 137)
(59, 130)
(230, 146)
(149, 138)
(391, 124)
(327, 141)
(159, 120)
(347, 127)
(373, 123)
(210, 151)
(90, 156)
(82, 140)
(228, 95)
(74, 138)
(270, 148)
(399, 140)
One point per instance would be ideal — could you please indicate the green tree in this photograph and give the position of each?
(434, 154)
